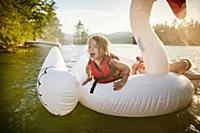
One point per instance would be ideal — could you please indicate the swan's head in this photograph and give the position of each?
(178, 7)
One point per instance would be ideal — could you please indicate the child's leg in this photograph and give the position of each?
(192, 76)
(180, 66)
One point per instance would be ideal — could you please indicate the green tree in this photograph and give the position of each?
(22, 20)
(81, 33)
(51, 29)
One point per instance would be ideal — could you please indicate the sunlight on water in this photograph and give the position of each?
(131, 51)
(21, 110)
(196, 99)
(198, 117)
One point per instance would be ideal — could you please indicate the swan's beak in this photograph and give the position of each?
(178, 7)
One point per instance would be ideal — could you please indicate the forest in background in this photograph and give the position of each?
(186, 32)
(24, 20)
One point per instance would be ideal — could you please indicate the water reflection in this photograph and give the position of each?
(21, 110)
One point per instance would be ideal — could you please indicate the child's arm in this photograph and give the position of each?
(86, 81)
(125, 71)
(89, 76)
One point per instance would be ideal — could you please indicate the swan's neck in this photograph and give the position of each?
(153, 51)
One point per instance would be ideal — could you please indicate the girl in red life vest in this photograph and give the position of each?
(103, 66)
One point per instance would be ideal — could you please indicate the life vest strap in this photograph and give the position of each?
(93, 86)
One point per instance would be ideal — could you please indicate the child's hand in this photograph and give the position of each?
(86, 81)
(118, 85)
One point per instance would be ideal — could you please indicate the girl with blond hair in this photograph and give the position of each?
(103, 66)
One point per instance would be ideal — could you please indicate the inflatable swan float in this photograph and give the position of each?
(155, 93)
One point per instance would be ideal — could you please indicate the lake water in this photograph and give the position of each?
(21, 111)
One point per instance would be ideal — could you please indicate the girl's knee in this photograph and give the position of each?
(188, 64)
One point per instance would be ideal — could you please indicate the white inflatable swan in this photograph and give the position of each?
(156, 93)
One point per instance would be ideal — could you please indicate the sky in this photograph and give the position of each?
(108, 16)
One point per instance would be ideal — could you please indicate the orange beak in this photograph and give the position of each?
(178, 7)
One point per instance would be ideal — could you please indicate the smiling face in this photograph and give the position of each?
(93, 50)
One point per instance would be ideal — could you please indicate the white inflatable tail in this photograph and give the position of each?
(56, 87)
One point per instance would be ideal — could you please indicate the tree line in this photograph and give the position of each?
(23, 20)
(185, 32)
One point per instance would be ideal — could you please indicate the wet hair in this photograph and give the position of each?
(103, 44)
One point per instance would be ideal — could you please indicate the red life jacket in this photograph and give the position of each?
(107, 73)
